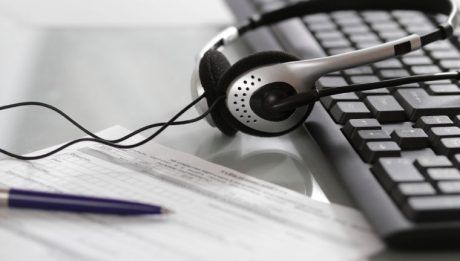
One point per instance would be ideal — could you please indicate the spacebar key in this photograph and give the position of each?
(442, 207)
(417, 102)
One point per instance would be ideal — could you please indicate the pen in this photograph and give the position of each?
(18, 198)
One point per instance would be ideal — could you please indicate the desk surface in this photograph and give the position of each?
(108, 74)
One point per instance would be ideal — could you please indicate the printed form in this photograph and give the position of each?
(219, 214)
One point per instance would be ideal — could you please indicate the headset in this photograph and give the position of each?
(271, 93)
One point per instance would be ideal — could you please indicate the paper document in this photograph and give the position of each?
(220, 214)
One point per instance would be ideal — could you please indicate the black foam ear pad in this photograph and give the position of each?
(212, 67)
(248, 63)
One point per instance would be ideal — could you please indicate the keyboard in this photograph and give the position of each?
(396, 150)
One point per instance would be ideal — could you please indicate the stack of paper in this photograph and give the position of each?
(220, 214)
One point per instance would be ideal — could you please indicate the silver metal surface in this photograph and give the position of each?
(321, 66)
(240, 91)
(225, 37)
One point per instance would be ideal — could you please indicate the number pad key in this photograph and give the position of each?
(404, 190)
(449, 187)
(439, 174)
(427, 122)
(330, 101)
(433, 207)
(343, 111)
(391, 171)
(385, 108)
(354, 125)
(376, 149)
(410, 139)
(423, 163)
(437, 133)
(360, 138)
(449, 146)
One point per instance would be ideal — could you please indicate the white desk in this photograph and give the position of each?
(133, 70)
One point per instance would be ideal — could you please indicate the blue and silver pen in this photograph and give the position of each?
(18, 198)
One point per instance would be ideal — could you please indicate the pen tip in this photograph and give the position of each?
(166, 211)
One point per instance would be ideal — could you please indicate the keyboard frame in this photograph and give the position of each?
(369, 195)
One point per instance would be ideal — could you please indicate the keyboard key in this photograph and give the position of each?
(447, 54)
(376, 149)
(381, 91)
(449, 146)
(364, 38)
(393, 73)
(329, 101)
(449, 187)
(441, 207)
(385, 27)
(388, 64)
(330, 82)
(417, 60)
(443, 89)
(322, 26)
(450, 64)
(409, 85)
(329, 35)
(361, 70)
(410, 139)
(439, 45)
(385, 108)
(417, 53)
(335, 43)
(427, 122)
(343, 111)
(422, 163)
(420, 29)
(364, 79)
(438, 174)
(425, 69)
(360, 137)
(417, 103)
(391, 171)
(392, 35)
(437, 133)
(405, 190)
(354, 125)
(356, 29)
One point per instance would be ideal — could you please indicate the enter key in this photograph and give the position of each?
(417, 102)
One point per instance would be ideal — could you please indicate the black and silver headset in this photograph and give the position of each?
(271, 93)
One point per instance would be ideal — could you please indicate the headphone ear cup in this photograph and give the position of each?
(213, 66)
(248, 63)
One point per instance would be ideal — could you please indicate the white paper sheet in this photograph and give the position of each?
(220, 214)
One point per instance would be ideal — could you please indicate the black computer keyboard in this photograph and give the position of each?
(396, 150)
